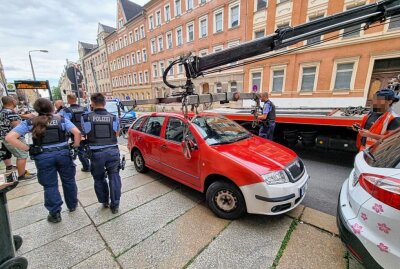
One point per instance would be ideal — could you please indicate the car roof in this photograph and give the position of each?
(180, 114)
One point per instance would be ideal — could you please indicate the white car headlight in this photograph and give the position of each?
(278, 177)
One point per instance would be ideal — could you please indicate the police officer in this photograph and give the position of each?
(74, 113)
(102, 129)
(267, 118)
(51, 154)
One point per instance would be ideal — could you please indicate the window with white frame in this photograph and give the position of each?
(120, 23)
(142, 33)
(128, 62)
(138, 56)
(256, 81)
(112, 47)
(133, 58)
(308, 78)
(394, 22)
(155, 71)
(169, 40)
(130, 37)
(352, 31)
(203, 52)
(314, 39)
(123, 62)
(136, 34)
(278, 80)
(129, 79)
(179, 40)
(144, 55)
(162, 69)
(190, 32)
(259, 34)
(218, 87)
(115, 65)
(178, 9)
(218, 21)
(146, 76)
(171, 71)
(111, 66)
(218, 48)
(153, 46)
(125, 40)
(125, 80)
(180, 69)
(189, 4)
(167, 13)
(233, 86)
(261, 4)
(140, 77)
(116, 45)
(158, 18)
(234, 15)
(134, 78)
(120, 43)
(202, 1)
(344, 75)
(160, 43)
(203, 25)
(151, 22)
(118, 63)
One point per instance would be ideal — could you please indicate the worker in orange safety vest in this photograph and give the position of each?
(380, 121)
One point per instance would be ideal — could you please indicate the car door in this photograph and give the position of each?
(172, 158)
(150, 140)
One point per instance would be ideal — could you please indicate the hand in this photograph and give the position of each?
(5, 185)
(364, 133)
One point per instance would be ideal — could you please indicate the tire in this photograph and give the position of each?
(226, 200)
(15, 263)
(138, 160)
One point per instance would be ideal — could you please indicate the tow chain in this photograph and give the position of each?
(352, 111)
(186, 149)
(255, 122)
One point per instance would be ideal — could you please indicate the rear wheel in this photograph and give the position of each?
(225, 200)
(138, 160)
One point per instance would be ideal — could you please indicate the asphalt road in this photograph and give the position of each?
(328, 171)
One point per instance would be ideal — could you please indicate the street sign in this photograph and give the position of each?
(71, 71)
(255, 88)
(30, 85)
(11, 88)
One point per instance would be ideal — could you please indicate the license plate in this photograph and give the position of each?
(303, 190)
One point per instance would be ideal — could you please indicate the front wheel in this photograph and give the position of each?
(138, 160)
(225, 200)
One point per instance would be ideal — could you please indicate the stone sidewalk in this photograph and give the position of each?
(163, 224)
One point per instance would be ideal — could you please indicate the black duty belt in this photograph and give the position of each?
(55, 148)
(103, 149)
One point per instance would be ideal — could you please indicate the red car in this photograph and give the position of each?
(238, 172)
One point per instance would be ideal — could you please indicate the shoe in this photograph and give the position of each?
(27, 176)
(85, 170)
(72, 209)
(54, 218)
(114, 210)
(106, 205)
(10, 168)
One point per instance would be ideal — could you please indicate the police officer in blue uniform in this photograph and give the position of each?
(51, 154)
(267, 118)
(102, 129)
(74, 113)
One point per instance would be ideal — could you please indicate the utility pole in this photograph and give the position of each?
(94, 76)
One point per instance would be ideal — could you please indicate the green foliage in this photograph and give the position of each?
(56, 93)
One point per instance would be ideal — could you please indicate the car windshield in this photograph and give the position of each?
(217, 130)
(385, 154)
(112, 108)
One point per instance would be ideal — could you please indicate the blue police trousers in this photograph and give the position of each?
(109, 160)
(83, 159)
(48, 164)
(267, 131)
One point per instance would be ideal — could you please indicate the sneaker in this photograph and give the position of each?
(106, 205)
(27, 176)
(54, 218)
(85, 169)
(11, 168)
(114, 210)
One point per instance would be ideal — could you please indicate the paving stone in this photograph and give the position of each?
(251, 242)
(310, 248)
(24, 190)
(130, 183)
(296, 213)
(354, 264)
(128, 172)
(175, 244)
(25, 201)
(43, 232)
(87, 197)
(320, 219)
(131, 228)
(67, 251)
(84, 184)
(101, 260)
(129, 200)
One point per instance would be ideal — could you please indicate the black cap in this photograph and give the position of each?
(388, 94)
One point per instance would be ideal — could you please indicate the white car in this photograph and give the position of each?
(368, 215)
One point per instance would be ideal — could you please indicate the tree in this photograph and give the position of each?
(56, 93)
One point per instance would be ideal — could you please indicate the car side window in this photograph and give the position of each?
(175, 129)
(138, 123)
(153, 126)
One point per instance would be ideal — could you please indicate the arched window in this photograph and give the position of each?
(206, 88)
(233, 86)
(218, 87)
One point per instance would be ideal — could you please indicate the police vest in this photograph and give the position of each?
(54, 133)
(272, 114)
(77, 112)
(102, 131)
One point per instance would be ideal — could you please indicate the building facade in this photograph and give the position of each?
(3, 80)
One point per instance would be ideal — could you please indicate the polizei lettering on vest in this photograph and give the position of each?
(101, 119)
(53, 123)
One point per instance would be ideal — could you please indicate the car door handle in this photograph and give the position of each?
(163, 146)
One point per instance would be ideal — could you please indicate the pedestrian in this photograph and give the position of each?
(51, 154)
(102, 129)
(267, 118)
(74, 113)
(59, 105)
(380, 121)
(8, 120)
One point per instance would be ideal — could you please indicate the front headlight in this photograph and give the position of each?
(278, 177)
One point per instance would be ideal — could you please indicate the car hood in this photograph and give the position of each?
(258, 154)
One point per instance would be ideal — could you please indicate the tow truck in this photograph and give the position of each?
(329, 128)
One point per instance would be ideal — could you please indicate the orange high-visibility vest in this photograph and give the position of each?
(379, 127)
